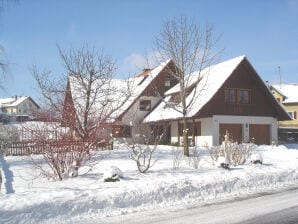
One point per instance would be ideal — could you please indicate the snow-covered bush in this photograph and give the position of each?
(256, 158)
(235, 153)
(112, 174)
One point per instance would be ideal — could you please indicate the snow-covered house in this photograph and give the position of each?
(130, 100)
(19, 108)
(228, 96)
(287, 95)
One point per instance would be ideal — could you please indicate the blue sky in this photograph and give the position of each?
(265, 31)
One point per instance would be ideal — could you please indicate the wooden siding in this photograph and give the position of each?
(262, 103)
(157, 86)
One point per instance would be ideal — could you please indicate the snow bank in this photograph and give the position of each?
(87, 197)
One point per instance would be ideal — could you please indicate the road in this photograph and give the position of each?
(270, 207)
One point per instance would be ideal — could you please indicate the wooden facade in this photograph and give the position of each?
(262, 103)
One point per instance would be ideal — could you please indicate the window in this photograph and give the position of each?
(230, 95)
(168, 83)
(243, 96)
(293, 114)
(145, 105)
(240, 96)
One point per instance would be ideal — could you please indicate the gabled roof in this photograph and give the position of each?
(290, 91)
(211, 79)
(208, 82)
(119, 99)
(15, 101)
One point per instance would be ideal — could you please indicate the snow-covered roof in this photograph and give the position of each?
(122, 93)
(12, 101)
(290, 91)
(139, 84)
(211, 79)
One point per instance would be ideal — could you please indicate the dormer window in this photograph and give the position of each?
(145, 105)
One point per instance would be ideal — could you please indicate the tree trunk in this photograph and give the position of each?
(185, 137)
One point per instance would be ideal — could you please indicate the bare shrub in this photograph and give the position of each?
(236, 154)
(194, 158)
(177, 156)
(142, 149)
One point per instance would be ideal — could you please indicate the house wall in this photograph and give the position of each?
(174, 132)
(277, 95)
(27, 107)
(290, 123)
(210, 128)
(206, 132)
(134, 115)
(206, 138)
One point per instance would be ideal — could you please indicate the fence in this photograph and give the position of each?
(27, 148)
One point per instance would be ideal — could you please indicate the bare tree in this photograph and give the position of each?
(88, 104)
(190, 47)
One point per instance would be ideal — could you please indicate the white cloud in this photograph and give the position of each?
(136, 61)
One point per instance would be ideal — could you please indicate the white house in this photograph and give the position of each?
(19, 107)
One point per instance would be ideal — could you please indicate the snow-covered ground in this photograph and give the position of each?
(28, 197)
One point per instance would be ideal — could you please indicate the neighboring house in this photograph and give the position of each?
(287, 95)
(229, 96)
(19, 108)
(126, 120)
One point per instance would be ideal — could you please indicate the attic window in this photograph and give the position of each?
(243, 96)
(239, 96)
(230, 95)
(145, 105)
